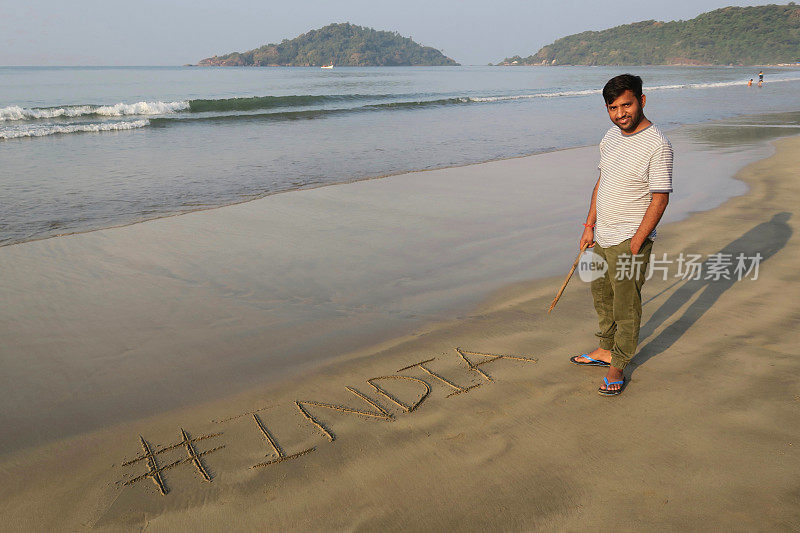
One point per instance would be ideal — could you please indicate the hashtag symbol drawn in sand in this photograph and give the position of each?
(154, 470)
(275, 446)
(491, 357)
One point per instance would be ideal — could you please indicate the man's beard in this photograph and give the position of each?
(634, 122)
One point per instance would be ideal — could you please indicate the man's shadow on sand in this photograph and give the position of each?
(767, 239)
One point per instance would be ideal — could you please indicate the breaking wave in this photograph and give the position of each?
(555, 94)
(33, 121)
(269, 102)
(711, 85)
(13, 112)
(52, 129)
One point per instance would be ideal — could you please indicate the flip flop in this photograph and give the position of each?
(606, 392)
(591, 362)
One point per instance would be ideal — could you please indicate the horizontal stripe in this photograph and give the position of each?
(632, 167)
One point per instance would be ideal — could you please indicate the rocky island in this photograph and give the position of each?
(341, 44)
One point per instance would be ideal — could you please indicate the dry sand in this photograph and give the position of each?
(706, 435)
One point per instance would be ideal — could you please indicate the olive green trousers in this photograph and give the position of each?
(618, 299)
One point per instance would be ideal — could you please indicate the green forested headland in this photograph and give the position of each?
(757, 35)
(342, 44)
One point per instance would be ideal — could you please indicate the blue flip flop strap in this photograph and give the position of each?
(611, 382)
(590, 359)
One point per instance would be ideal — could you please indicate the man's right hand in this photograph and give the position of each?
(587, 238)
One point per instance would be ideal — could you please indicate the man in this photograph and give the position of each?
(627, 203)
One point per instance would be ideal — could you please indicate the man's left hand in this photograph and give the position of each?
(636, 244)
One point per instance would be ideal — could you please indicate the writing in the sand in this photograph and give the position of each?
(194, 456)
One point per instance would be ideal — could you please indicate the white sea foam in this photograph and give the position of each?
(558, 94)
(540, 95)
(41, 130)
(117, 110)
(711, 85)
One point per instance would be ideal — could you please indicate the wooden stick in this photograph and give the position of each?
(571, 271)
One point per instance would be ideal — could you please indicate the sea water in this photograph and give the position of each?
(84, 148)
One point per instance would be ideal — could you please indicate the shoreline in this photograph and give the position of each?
(674, 129)
(209, 266)
(542, 416)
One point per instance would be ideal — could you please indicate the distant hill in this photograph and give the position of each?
(342, 44)
(757, 35)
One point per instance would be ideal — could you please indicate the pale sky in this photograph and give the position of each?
(175, 32)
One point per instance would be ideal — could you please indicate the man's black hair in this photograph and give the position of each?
(619, 84)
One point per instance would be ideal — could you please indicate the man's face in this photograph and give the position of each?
(626, 111)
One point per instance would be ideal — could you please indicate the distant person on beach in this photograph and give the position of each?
(750, 83)
(761, 77)
(628, 200)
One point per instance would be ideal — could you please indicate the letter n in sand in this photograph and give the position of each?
(379, 413)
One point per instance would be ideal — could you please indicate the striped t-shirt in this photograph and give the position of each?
(631, 168)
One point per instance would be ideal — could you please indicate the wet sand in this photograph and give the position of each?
(132, 321)
(705, 436)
